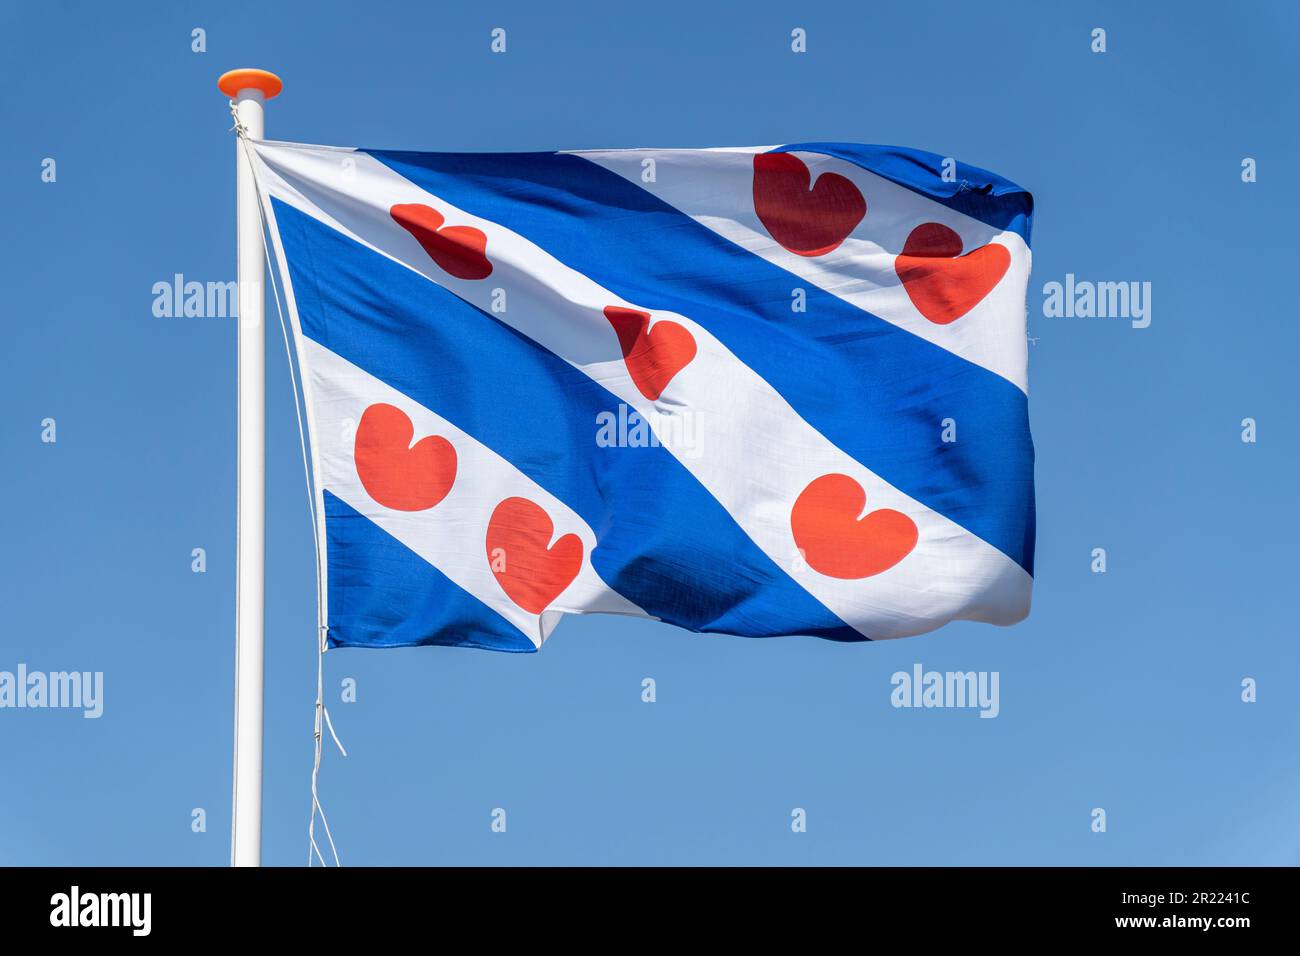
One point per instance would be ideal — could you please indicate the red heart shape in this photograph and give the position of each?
(943, 284)
(395, 474)
(458, 250)
(531, 570)
(805, 221)
(653, 356)
(836, 542)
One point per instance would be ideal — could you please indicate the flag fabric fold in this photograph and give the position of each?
(753, 391)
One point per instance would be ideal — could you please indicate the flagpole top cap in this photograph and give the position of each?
(232, 82)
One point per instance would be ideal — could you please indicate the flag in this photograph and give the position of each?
(751, 391)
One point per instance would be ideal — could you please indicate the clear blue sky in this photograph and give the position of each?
(1121, 691)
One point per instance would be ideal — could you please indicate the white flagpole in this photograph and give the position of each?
(249, 89)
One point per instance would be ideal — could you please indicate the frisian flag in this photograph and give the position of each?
(753, 391)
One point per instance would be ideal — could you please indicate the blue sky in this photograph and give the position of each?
(1122, 690)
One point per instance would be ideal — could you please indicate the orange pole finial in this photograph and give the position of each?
(233, 81)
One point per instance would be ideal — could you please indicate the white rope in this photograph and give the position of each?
(238, 128)
(322, 716)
